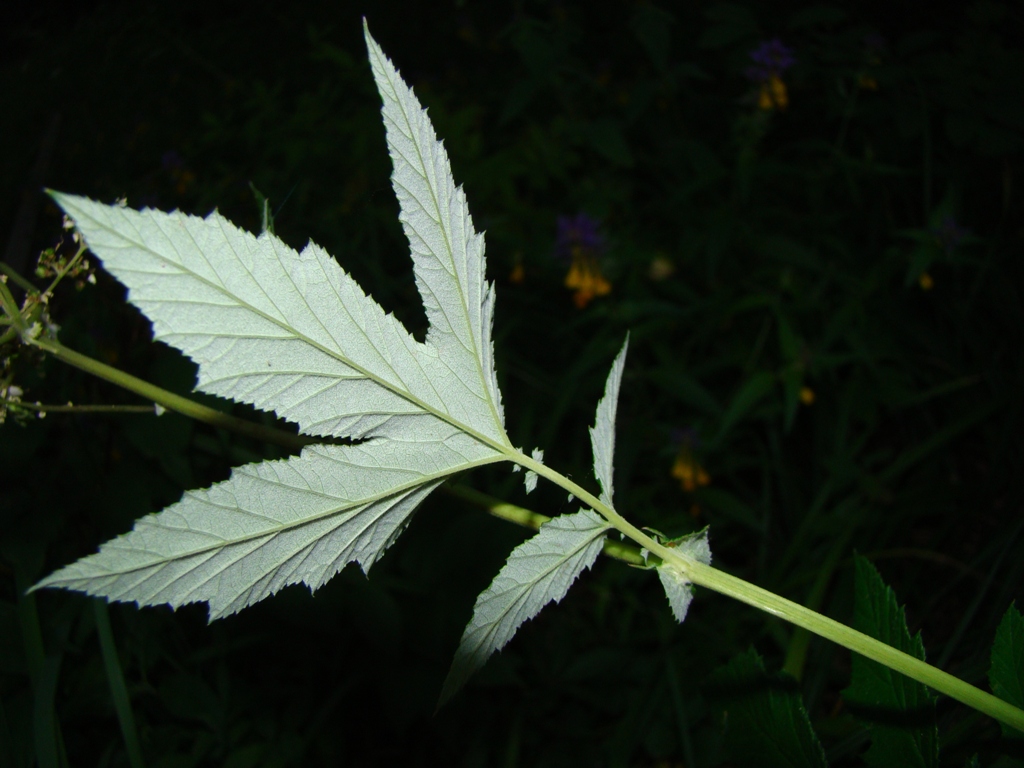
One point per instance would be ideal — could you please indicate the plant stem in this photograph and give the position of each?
(794, 613)
(698, 573)
(69, 408)
(172, 402)
(14, 275)
(527, 518)
(169, 400)
(866, 646)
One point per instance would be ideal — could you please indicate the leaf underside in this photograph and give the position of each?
(602, 434)
(294, 334)
(272, 524)
(539, 571)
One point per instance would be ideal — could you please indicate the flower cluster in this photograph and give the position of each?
(579, 242)
(771, 59)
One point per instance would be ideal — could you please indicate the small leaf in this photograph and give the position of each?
(765, 716)
(900, 711)
(530, 479)
(678, 588)
(266, 217)
(1006, 673)
(602, 434)
(539, 571)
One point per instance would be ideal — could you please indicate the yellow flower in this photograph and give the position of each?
(518, 273)
(773, 94)
(926, 282)
(867, 82)
(580, 243)
(806, 395)
(690, 474)
(585, 277)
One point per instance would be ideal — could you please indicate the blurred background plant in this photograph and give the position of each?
(808, 218)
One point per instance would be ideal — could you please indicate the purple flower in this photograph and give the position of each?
(771, 58)
(171, 160)
(577, 233)
(949, 234)
(874, 43)
(684, 437)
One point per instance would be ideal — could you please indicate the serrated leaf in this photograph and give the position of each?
(900, 711)
(293, 333)
(765, 716)
(273, 524)
(602, 434)
(1006, 672)
(539, 571)
(678, 588)
(448, 254)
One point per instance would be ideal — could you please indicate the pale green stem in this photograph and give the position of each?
(169, 400)
(794, 613)
(527, 518)
(698, 573)
(40, 408)
(796, 655)
(72, 263)
(7, 302)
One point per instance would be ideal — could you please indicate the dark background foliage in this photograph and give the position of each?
(826, 316)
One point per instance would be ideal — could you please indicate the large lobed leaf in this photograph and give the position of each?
(293, 333)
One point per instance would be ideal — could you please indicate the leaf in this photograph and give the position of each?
(539, 571)
(678, 588)
(900, 711)
(447, 253)
(765, 716)
(1006, 673)
(530, 480)
(602, 434)
(750, 393)
(272, 524)
(293, 333)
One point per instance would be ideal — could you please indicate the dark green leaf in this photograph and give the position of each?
(899, 711)
(755, 388)
(1006, 674)
(765, 719)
